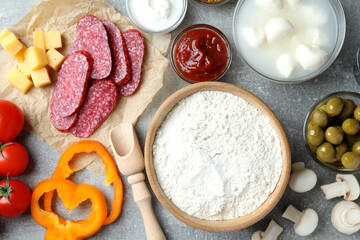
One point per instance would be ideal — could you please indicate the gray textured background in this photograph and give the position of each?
(289, 102)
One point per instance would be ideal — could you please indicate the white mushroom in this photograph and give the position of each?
(271, 232)
(278, 28)
(345, 185)
(305, 221)
(302, 179)
(345, 217)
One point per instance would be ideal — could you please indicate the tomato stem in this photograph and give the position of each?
(6, 190)
(2, 146)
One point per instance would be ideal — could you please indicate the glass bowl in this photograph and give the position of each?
(214, 3)
(167, 30)
(194, 27)
(356, 66)
(340, 37)
(334, 167)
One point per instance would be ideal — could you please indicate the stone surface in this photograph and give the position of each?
(289, 102)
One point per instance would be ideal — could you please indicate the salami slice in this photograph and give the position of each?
(135, 45)
(100, 101)
(92, 38)
(62, 124)
(71, 84)
(75, 47)
(120, 72)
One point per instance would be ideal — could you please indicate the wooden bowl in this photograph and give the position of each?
(221, 225)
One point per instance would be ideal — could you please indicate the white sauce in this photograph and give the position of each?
(156, 15)
(303, 23)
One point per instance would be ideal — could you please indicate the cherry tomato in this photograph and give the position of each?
(13, 159)
(11, 121)
(14, 198)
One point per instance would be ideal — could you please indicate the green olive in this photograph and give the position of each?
(325, 152)
(334, 106)
(334, 135)
(351, 139)
(322, 107)
(340, 150)
(351, 126)
(319, 118)
(357, 113)
(356, 148)
(315, 135)
(348, 111)
(350, 160)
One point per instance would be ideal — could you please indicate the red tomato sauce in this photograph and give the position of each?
(201, 55)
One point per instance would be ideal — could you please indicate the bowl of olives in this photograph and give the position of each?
(332, 132)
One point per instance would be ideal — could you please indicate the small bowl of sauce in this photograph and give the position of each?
(200, 53)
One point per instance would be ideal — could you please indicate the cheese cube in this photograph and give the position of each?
(4, 33)
(41, 77)
(53, 40)
(35, 58)
(18, 80)
(54, 59)
(20, 56)
(11, 44)
(24, 68)
(38, 38)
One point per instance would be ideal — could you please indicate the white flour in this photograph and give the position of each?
(216, 156)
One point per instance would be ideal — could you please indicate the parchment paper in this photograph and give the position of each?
(63, 15)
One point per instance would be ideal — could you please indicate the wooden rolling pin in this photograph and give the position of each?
(130, 161)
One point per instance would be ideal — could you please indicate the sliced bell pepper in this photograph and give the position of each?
(71, 195)
(63, 170)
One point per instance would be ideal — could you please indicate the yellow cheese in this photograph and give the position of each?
(41, 77)
(38, 38)
(18, 80)
(20, 56)
(4, 33)
(53, 40)
(54, 59)
(11, 44)
(24, 68)
(35, 58)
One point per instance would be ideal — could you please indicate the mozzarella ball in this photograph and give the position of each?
(313, 36)
(294, 3)
(313, 15)
(286, 65)
(254, 36)
(271, 5)
(277, 29)
(311, 57)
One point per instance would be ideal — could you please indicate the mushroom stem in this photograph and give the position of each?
(273, 231)
(292, 214)
(336, 189)
(345, 185)
(353, 216)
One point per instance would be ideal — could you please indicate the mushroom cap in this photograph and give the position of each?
(352, 184)
(297, 166)
(307, 223)
(303, 180)
(339, 220)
